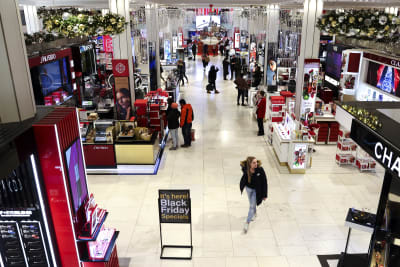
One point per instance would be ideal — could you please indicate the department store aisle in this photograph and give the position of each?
(303, 216)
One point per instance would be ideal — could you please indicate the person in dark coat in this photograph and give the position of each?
(205, 49)
(242, 87)
(233, 65)
(212, 77)
(194, 51)
(221, 47)
(261, 108)
(257, 76)
(255, 182)
(225, 65)
(173, 125)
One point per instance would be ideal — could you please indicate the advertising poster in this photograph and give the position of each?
(174, 206)
(167, 49)
(237, 40)
(107, 44)
(271, 72)
(76, 174)
(123, 98)
(174, 43)
(311, 76)
(299, 160)
(180, 39)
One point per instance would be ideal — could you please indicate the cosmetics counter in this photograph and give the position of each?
(109, 143)
(374, 128)
(47, 217)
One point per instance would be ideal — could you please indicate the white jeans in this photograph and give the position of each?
(174, 135)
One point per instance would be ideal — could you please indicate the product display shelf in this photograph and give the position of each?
(111, 245)
(364, 162)
(96, 232)
(345, 149)
(276, 112)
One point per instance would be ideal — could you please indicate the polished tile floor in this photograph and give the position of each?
(303, 216)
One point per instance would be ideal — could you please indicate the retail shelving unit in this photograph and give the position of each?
(345, 149)
(348, 153)
(276, 112)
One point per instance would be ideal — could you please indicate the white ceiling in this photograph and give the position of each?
(216, 3)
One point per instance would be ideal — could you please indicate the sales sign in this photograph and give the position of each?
(174, 206)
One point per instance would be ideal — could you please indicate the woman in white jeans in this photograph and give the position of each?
(173, 125)
(255, 182)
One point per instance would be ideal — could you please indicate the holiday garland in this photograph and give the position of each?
(71, 22)
(361, 24)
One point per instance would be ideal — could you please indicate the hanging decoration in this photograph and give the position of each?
(361, 24)
(72, 22)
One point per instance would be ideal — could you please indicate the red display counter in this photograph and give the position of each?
(99, 155)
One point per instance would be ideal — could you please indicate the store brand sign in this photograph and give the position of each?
(385, 60)
(47, 58)
(387, 158)
(377, 146)
(101, 148)
(120, 67)
(174, 206)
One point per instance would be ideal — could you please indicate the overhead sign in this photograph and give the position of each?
(174, 206)
(385, 60)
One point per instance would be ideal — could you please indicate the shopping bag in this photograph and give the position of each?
(192, 133)
(210, 87)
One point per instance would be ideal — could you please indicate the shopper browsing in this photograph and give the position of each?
(242, 88)
(173, 125)
(225, 66)
(205, 59)
(255, 182)
(187, 118)
(194, 51)
(261, 107)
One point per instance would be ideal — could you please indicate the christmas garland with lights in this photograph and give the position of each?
(361, 24)
(72, 22)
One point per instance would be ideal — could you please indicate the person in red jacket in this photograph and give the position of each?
(187, 117)
(261, 107)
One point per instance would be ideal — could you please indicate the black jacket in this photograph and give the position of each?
(212, 75)
(260, 181)
(225, 65)
(173, 118)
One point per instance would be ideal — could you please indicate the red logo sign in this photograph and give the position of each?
(120, 67)
(107, 44)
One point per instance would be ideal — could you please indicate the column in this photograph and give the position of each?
(309, 48)
(17, 100)
(153, 41)
(272, 33)
(122, 43)
(31, 19)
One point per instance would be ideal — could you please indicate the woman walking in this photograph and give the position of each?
(255, 182)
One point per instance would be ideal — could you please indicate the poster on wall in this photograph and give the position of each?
(271, 72)
(299, 157)
(237, 40)
(123, 98)
(174, 43)
(180, 39)
(311, 76)
(167, 49)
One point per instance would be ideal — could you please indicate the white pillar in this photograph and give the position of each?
(16, 99)
(309, 48)
(122, 44)
(272, 33)
(31, 19)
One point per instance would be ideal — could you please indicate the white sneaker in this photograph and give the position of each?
(246, 227)
(254, 217)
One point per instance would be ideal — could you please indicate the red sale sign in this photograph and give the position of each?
(120, 67)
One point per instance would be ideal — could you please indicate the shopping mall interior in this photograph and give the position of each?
(129, 130)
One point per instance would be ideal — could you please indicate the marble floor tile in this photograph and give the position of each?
(302, 217)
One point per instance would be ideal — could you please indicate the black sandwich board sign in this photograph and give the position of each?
(174, 206)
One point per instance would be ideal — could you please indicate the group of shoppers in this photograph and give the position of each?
(182, 119)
